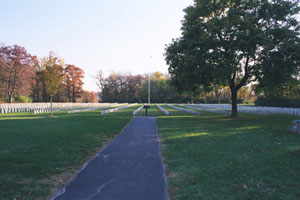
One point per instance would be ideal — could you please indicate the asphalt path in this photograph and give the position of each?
(129, 168)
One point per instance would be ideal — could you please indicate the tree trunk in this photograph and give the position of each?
(69, 93)
(73, 91)
(234, 112)
(51, 106)
(219, 99)
(37, 92)
(10, 98)
(44, 92)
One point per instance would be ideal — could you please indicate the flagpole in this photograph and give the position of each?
(149, 90)
(149, 84)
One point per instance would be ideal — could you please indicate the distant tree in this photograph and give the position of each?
(93, 97)
(100, 80)
(17, 74)
(124, 87)
(134, 83)
(158, 87)
(89, 97)
(54, 74)
(38, 95)
(74, 76)
(113, 87)
(233, 43)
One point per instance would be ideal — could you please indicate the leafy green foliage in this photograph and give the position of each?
(23, 99)
(232, 43)
(54, 74)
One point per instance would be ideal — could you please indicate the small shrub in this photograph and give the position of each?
(5, 100)
(200, 100)
(225, 101)
(23, 99)
(240, 100)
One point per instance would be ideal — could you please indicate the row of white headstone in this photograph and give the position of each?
(162, 110)
(258, 110)
(46, 107)
(11, 110)
(46, 110)
(226, 112)
(117, 109)
(138, 110)
(87, 109)
(73, 109)
(184, 110)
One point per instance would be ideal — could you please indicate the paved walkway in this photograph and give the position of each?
(129, 168)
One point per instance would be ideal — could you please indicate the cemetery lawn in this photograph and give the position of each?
(38, 154)
(215, 157)
(152, 112)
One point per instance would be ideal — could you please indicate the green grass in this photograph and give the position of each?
(153, 111)
(38, 153)
(215, 157)
(207, 157)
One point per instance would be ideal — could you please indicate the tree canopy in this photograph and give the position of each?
(17, 74)
(24, 78)
(126, 87)
(232, 43)
(74, 76)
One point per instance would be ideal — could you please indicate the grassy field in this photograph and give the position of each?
(40, 154)
(215, 157)
(207, 157)
(153, 111)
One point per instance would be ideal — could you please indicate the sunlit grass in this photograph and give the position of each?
(215, 157)
(178, 136)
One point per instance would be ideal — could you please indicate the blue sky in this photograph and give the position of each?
(95, 35)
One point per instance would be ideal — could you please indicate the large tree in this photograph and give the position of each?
(235, 42)
(17, 74)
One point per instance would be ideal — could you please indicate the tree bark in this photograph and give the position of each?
(73, 91)
(10, 98)
(234, 112)
(44, 92)
(51, 106)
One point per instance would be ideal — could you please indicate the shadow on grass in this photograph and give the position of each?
(213, 157)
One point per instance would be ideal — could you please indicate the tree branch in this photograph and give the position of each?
(247, 73)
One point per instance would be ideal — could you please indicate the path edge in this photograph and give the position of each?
(63, 190)
(162, 163)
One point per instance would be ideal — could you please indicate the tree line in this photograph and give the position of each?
(25, 78)
(126, 87)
